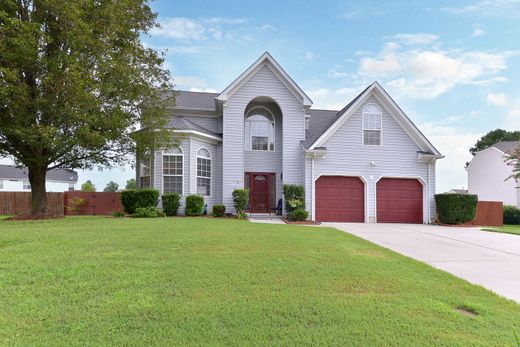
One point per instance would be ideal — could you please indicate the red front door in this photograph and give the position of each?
(259, 192)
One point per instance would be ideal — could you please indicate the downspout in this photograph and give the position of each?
(429, 195)
(312, 187)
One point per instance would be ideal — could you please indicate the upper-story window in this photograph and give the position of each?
(203, 172)
(259, 129)
(173, 171)
(26, 185)
(372, 119)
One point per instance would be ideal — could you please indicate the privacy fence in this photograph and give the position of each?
(94, 203)
(489, 213)
(19, 203)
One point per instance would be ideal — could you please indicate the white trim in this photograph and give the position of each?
(273, 121)
(365, 193)
(425, 199)
(198, 133)
(165, 153)
(197, 156)
(265, 60)
(405, 123)
(380, 114)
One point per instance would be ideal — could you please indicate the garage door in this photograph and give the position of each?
(340, 199)
(399, 201)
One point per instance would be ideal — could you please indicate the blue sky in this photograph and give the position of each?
(453, 67)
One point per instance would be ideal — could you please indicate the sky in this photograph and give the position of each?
(453, 67)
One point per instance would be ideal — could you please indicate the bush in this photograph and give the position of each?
(148, 212)
(170, 203)
(511, 215)
(298, 214)
(241, 200)
(194, 205)
(294, 197)
(75, 204)
(456, 208)
(219, 210)
(118, 214)
(134, 198)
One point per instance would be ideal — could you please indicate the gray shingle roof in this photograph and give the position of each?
(507, 146)
(195, 100)
(13, 172)
(183, 123)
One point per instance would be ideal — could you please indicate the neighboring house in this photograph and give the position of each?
(15, 179)
(365, 163)
(488, 174)
(458, 191)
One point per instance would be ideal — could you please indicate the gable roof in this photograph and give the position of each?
(406, 124)
(506, 147)
(195, 100)
(16, 173)
(264, 59)
(183, 123)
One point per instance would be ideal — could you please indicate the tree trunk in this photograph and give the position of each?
(37, 175)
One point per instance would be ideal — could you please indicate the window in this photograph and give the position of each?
(173, 171)
(145, 171)
(26, 185)
(371, 125)
(259, 129)
(203, 172)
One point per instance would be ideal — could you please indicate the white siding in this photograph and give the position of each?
(263, 83)
(215, 197)
(487, 178)
(396, 157)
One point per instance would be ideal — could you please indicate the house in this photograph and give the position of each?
(488, 174)
(364, 163)
(15, 179)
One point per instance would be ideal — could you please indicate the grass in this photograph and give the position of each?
(184, 281)
(506, 229)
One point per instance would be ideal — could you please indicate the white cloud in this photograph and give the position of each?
(189, 29)
(205, 90)
(505, 8)
(268, 27)
(416, 39)
(311, 55)
(478, 32)
(498, 99)
(319, 92)
(386, 63)
(189, 82)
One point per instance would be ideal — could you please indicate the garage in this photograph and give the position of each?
(399, 200)
(340, 199)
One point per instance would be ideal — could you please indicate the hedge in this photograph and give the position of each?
(194, 205)
(298, 214)
(511, 215)
(170, 203)
(294, 197)
(134, 198)
(241, 200)
(456, 208)
(219, 210)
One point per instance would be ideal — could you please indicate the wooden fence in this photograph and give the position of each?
(96, 203)
(489, 213)
(19, 203)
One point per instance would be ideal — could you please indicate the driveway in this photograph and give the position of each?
(491, 260)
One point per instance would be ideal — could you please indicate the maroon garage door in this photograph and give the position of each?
(399, 200)
(340, 199)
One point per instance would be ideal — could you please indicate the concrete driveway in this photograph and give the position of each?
(491, 260)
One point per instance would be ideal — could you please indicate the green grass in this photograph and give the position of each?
(183, 281)
(506, 229)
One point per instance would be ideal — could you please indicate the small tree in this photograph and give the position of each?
(111, 187)
(514, 161)
(88, 187)
(131, 184)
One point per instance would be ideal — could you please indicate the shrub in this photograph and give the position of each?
(219, 210)
(75, 204)
(148, 212)
(135, 198)
(298, 214)
(170, 203)
(194, 205)
(511, 215)
(118, 214)
(294, 197)
(241, 200)
(456, 208)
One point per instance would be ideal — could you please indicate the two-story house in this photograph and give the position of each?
(365, 163)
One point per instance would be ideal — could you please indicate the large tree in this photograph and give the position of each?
(75, 83)
(493, 137)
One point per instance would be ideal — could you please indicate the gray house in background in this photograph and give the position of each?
(365, 163)
(15, 179)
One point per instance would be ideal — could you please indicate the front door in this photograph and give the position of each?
(259, 192)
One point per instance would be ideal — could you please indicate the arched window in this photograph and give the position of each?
(173, 171)
(372, 125)
(259, 129)
(203, 172)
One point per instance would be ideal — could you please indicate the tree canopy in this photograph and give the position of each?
(111, 187)
(88, 186)
(493, 137)
(76, 83)
(131, 184)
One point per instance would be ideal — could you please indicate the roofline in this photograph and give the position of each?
(198, 133)
(484, 150)
(227, 92)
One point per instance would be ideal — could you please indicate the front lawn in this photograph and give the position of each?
(185, 281)
(506, 229)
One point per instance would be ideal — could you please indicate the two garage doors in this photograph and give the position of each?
(342, 199)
